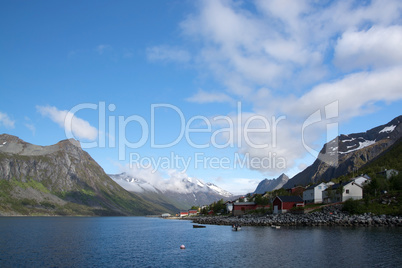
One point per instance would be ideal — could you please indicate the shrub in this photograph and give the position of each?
(353, 206)
(396, 182)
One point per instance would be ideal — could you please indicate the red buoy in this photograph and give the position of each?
(182, 247)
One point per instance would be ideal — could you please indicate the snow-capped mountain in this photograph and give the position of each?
(183, 192)
(350, 153)
(132, 184)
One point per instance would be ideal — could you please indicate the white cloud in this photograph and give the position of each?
(31, 127)
(345, 15)
(207, 97)
(78, 127)
(238, 186)
(286, 44)
(103, 48)
(354, 92)
(234, 43)
(376, 47)
(166, 53)
(6, 121)
(244, 50)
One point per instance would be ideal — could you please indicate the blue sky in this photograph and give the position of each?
(224, 86)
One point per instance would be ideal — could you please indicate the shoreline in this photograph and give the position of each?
(331, 216)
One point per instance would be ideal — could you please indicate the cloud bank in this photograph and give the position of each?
(293, 58)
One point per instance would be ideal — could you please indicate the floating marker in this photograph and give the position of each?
(182, 247)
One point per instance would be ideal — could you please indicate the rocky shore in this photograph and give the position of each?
(329, 216)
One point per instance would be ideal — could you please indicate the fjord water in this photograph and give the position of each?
(154, 242)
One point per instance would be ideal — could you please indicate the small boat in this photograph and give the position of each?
(198, 226)
(236, 227)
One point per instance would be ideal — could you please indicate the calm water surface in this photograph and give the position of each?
(153, 242)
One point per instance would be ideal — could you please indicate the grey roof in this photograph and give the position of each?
(243, 203)
(313, 185)
(285, 198)
(336, 186)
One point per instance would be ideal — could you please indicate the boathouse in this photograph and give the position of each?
(282, 204)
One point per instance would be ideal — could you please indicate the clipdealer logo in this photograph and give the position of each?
(238, 131)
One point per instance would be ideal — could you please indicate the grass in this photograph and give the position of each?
(375, 206)
(31, 207)
(30, 183)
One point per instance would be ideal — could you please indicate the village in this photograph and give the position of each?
(316, 204)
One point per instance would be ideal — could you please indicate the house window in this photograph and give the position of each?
(347, 191)
(319, 187)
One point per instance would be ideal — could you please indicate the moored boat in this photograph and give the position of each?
(198, 226)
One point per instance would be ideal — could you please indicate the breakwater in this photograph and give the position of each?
(329, 216)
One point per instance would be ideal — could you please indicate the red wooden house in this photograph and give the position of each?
(183, 213)
(282, 204)
(192, 212)
(239, 208)
(297, 190)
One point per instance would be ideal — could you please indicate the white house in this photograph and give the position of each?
(351, 190)
(313, 194)
(362, 180)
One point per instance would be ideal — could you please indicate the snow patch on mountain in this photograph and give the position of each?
(361, 146)
(200, 184)
(218, 190)
(352, 139)
(388, 129)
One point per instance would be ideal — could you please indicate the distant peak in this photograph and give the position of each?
(70, 142)
(267, 185)
(11, 138)
(14, 145)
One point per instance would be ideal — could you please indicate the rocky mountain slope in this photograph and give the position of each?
(271, 185)
(60, 179)
(353, 151)
(186, 192)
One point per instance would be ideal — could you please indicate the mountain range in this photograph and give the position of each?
(62, 179)
(182, 192)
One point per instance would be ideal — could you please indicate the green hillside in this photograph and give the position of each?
(62, 179)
